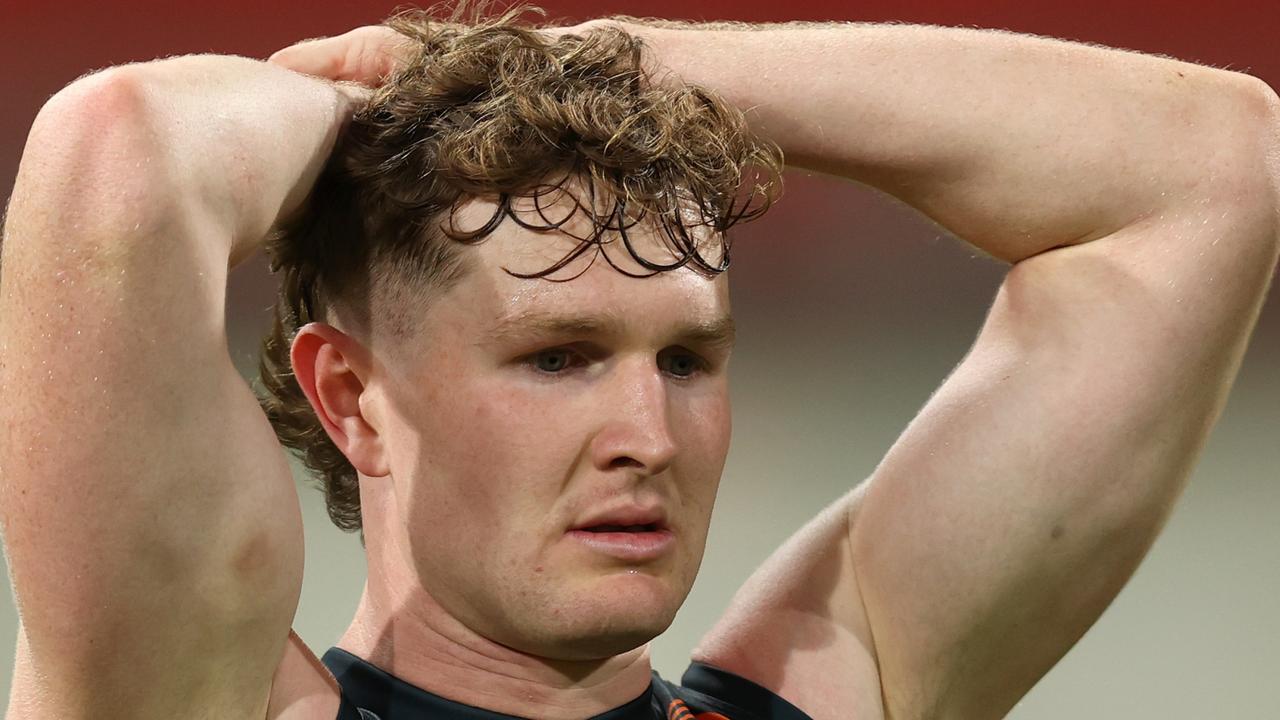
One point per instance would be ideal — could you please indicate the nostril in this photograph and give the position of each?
(624, 462)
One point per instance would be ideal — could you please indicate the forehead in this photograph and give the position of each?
(588, 287)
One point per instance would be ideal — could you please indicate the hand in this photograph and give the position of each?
(366, 55)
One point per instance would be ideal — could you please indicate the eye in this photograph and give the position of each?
(555, 360)
(680, 363)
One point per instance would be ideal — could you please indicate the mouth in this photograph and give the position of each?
(626, 518)
(646, 528)
(629, 543)
(630, 535)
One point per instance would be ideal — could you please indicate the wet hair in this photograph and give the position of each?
(488, 107)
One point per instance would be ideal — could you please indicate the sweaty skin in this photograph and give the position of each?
(1105, 179)
(518, 455)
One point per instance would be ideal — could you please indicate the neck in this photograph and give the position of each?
(399, 628)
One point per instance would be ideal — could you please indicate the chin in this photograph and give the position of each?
(610, 621)
(603, 642)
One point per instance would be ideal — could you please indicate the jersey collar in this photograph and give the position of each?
(390, 698)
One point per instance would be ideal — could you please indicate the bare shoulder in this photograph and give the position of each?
(798, 627)
(302, 688)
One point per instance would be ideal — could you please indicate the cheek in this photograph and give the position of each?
(705, 429)
(480, 453)
(708, 425)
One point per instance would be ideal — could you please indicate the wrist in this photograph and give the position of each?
(245, 140)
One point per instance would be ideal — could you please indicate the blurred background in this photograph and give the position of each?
(852, 309)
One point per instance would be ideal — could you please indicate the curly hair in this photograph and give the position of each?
(491, 107)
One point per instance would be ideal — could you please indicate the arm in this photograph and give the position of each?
(1135, 199)
(1017, 144)
(149, 517)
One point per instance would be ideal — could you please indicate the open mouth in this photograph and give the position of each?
(630, 543)
(651, 527)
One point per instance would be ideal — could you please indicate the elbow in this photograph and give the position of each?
(1263, 150)
(89, 113)
(1239, 167)
(1257, 109)
(1269, 109)
(92, 156)
(1258, 135)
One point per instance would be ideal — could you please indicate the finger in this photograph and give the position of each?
(366, 55)
(320, 57)
(373, 54)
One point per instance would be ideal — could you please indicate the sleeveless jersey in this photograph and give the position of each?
(705, 693)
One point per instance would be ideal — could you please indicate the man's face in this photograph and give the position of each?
(526, 409)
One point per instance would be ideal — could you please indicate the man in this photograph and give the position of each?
(155, 547)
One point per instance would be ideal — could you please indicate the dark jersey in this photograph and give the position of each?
(705, 693)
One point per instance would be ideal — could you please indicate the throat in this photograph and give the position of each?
(434, 658)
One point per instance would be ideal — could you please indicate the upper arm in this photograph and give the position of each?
(1025, 493)
(149, 517)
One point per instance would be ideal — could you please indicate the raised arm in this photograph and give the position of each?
(150, 520)
(1017, 144)
(1135, 198)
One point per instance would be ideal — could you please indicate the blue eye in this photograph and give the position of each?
(553, 361)
(676, 362)
(680, 364)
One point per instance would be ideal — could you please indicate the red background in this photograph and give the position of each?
(44, 45)
(851, 310)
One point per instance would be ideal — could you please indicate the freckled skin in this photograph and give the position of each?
(492, 460)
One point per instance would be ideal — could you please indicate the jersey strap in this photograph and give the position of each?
(709, 693)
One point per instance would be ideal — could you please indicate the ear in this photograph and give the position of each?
(333, 370)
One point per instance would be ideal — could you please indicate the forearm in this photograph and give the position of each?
(224, 143)
(1017, 144)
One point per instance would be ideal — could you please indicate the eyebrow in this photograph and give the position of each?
(716, 333)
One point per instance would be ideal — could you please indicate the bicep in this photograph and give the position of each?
(1022, 497)
(149, 517)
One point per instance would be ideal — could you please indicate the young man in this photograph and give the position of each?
(533, 462)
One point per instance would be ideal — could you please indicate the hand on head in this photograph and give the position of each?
(366, 55)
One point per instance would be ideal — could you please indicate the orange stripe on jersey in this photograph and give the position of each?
(677, 710)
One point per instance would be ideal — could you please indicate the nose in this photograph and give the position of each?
(636, 431)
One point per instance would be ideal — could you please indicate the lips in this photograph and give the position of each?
(625, 519)
(632, 534)
(620, 528)
(630, 547)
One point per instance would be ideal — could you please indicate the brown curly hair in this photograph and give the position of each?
(490, 107)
